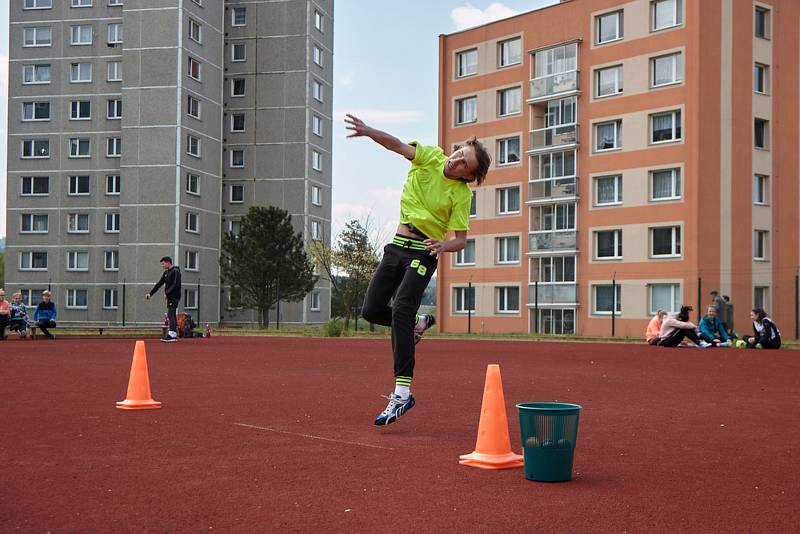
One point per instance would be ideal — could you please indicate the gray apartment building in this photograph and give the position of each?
(145, 128)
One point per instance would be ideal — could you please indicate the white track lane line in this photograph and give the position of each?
(314, 437)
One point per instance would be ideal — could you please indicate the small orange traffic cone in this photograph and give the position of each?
(139, 396)
(493, 448)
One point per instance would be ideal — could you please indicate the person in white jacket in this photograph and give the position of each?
(675, 329)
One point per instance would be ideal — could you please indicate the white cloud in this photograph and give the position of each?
(381, 116)
(469, 16)
(381, 207)
(345, 80)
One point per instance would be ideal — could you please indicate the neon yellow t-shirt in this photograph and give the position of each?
(431, 201)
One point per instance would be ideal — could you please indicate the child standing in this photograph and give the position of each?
(436, 199)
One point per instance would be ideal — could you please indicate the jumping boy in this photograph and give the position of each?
(435, 199)
(171, 280)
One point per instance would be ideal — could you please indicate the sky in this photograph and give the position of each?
(385, 72)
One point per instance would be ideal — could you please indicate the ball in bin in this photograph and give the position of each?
(532, 442)
(548, 444)
(564, 443)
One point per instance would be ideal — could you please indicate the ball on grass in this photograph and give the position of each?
(532, 442)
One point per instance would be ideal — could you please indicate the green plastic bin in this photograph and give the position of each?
(549, 431)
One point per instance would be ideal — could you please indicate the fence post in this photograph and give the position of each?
(124, 294)
(536, 307)
(613, 304)
(469, 308)
(699, 299)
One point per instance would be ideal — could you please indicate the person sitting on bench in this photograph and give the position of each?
(45, 315)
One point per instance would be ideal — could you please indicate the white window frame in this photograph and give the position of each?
(316, 160)
(505, 58)
(461, 298)
(114, 33)
(675, 242)
(73, 263)
(43, 143)
(29, 254)
(316, 125)
(111, 257)
(465, 68)
(235, 226)
(503, 98)
(114, 109)
(234, 152)
(318, 56)
(760, 245)
(75, 145)
(32, 218)
(234, 94)
(189, 299)
(618, 81)
(192, 260)
(677, 15)
(319, 21)
(618, 252)
(503, 299)
(113, 3)
(316, 195)
(676, 130)
(554, 269)
(765, 135)
(617, 178)
(317, 90)
(192, 222)
(33, 74)
(763, 297)
(676, 185)
(677, 70)
(503, 200)
(110, 298)
(74, 225)
(32, 183)
(314, 304)
(620, 29)
(192, 102)
(74, 183)
(504, 248)
(32, 107)
(618, 296)
(235, 116)
(114, 71)
(761, 189)
(113, 218)
(114, 147)
(81, 3)
(36, 40)
(238, 47)
(235, 15)
(316, 230)
(767, 15)
(675, 298)
(195, 31)
(72, 299)
(191, 62)
(78, 35)
(80, 69)
(37, 4)
(113, 184)
(617, 123)
(503, 152)
(193, 146)
(760, 78)
(461, 259)
(461, 115)
(236, 187)
(75, 106)
(193, 184)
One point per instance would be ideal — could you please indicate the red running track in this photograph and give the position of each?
(670, 440)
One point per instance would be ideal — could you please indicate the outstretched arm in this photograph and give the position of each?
(384, 139)
(436, 247)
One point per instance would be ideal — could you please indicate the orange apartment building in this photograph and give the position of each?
(645, 153)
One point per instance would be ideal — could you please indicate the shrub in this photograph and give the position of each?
(333, 328)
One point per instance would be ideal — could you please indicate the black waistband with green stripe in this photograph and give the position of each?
(408, 242)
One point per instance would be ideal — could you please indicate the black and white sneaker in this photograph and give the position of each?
(169, 339)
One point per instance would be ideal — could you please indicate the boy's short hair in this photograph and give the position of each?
(166, 259)
(46, 292)
(483, 157)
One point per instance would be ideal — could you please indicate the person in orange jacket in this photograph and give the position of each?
(654, 327)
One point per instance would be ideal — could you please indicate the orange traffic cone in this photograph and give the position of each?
(493, 448)
(139, 396)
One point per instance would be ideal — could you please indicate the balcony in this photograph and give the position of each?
(558, 293)
(552, 189)
(561, 84)
(548, 241)
(565, 135)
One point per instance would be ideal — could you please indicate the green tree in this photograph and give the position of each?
(265, 262)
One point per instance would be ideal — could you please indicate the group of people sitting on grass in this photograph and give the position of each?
(666, 331)
(14, 316)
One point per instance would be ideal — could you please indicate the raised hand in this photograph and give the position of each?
(356, 126)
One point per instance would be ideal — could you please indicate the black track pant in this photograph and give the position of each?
(674, 339)
(404, 272)
(172, 314)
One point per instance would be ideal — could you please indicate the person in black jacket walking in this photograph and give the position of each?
(171, 280)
